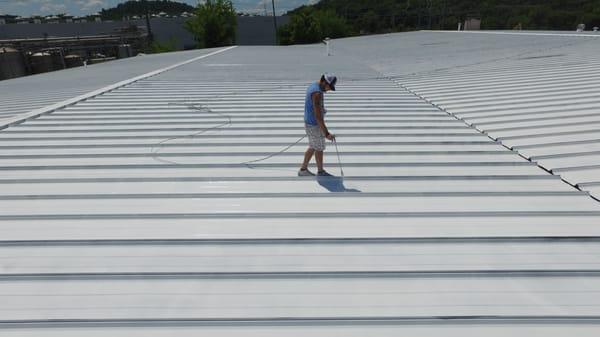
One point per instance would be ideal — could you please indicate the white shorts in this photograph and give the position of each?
(316, 138)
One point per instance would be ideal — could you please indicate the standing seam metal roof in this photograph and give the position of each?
(542, 105)
(133, 210)
(22, 95)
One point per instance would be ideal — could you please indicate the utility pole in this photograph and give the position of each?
(148, 28)
(429, 8)
(274, 20)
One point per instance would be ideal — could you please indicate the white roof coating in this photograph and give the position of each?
(544, 105)
(140, 212)
(21, 95)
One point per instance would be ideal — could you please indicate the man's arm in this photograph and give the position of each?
(317, 99)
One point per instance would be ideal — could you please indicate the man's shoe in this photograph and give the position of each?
(324, 174)
(305, 173)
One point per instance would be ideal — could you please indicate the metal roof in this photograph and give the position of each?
(136, 209)
(21, 95)
(544, 105)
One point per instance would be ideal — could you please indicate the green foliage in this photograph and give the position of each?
(367, 16)
(370, 22)
(309, 26)
(214, 24)
(165, 47)
(132, 8)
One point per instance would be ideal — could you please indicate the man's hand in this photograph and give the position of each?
(330, 136)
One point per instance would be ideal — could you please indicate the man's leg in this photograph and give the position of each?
(307, 157)
(319, 158)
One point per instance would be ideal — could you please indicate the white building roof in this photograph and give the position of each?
(21, 95)
(132, 210)
(542, 104)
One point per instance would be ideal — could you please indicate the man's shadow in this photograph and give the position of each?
(334, 184)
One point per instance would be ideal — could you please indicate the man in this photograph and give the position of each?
(314, 123)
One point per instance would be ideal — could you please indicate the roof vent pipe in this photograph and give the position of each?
(327, 42)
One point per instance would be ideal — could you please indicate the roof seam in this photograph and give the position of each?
(474, 127)
(51, 108)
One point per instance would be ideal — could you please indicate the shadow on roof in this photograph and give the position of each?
(334, 184)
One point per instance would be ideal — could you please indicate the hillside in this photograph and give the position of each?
(132, 8)
(400, 15)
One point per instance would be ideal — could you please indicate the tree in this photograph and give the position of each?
(370, 22)
(303, 28)
(331, 25)
(213, 24)
(368, 16)
(138, 8)
(310, 26)
(164, 47)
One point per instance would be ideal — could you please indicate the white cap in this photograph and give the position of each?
(331, 79)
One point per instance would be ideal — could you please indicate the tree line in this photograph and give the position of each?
(339, 18)
(138, 8)
(214, 21)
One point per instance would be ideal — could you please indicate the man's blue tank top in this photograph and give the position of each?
(309, 113)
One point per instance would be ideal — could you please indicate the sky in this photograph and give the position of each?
(85, 7)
